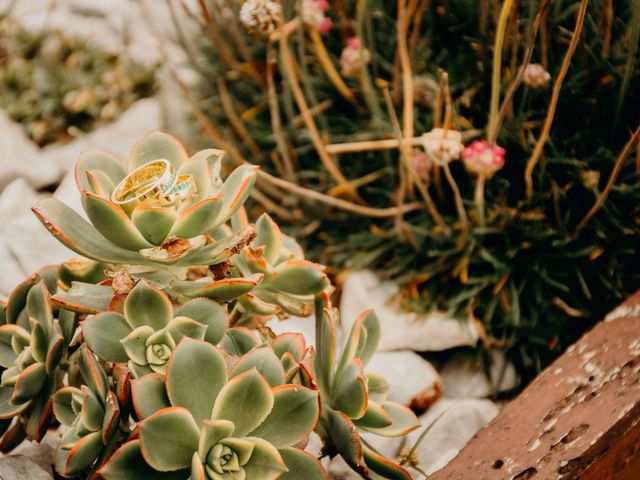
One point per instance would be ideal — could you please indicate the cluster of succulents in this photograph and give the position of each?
(51, 83)
(152, 352)
(499, 235)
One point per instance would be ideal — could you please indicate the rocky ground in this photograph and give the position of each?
(453, 392)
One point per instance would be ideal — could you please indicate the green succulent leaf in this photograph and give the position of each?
(350, 391)
(135, 344)
(196, 219)
(39, 307)
(8, 335)
(147, 306)
(212, 432)
(68, 322)
(299, 277)
(265, 463)
(84, 298)
(127, 463)
(168, 439)
(264, 361)
(63, 405)
(29, 383)
(374, 417)
(403, 421)
(103, 333)
(293, 343)
(97, 161)
(156, 146)
(222, 290)
(290, 402)
(196, 373)
(209, 313)
(245, 400)
(269, 236)
(369, 322)
(345, 438)
(93, 374)
(74, 232)
(154, 223)
(80, 456)
(149, 394)
(199, 167)
(238, 341)
(235, 191)
(181, 327)
(8, 408)
(92, 412)
(384, 467)
(39, 341)
(111, 419)
(113, 223)
(301, 464)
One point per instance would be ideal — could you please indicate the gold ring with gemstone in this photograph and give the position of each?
(155, 179)
(184, 188)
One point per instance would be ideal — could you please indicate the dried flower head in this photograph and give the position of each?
(261, 17)
(480, 158)
(353, 57)
(313, 15)
(590, 179)
(535, 76)
(442, 145)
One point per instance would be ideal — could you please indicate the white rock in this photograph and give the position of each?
(304, 325)
(401, 330)
(451, 432)
(12, 272)
(462, 377)
(43, 453)
(412, 379)
(17, 467)
(21, 158)
(16, 200)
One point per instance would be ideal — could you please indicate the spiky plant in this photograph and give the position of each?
(153, 352)
(51, 83)
(361, 127)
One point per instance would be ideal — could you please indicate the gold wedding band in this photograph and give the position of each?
(155, 179)
(184, 188)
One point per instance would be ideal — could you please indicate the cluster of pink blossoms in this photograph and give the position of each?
(480, 158)
(313, 14)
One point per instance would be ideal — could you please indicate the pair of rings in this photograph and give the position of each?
(155, 181)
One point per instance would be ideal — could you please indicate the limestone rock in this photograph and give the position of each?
(462, 377)
(18, 467)
(401, 330)
(460, 421)
(414, 382)
(21, 158)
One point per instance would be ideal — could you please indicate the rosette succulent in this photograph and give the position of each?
(153, 232)
(148, 330)
(94, 415)
(32, 347)
(354, 400)
(203, 421)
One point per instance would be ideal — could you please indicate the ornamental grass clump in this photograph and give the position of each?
(524, 113)
(152, 356)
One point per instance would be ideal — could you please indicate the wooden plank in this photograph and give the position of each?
(579, 419)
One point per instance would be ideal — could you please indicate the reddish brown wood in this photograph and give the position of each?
(579, 419)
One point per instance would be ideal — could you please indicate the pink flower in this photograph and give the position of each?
(482, 159)
(350, 59)
(420, 163)
(313, 15)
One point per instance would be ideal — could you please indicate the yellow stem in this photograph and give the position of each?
(329, 69)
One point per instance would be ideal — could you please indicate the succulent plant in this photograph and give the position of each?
(159, 364)
(354, 400)
(32, 347)
(148, 330)
(222, 424)
(94, 414)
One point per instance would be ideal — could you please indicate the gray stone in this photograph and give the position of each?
(456, 421)
(462, 377)
(401, 330)
(21, 158)
(12, 272)
(304, 325)
(18, 467)
(413, 380)
(16, 200)
(43, 453)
